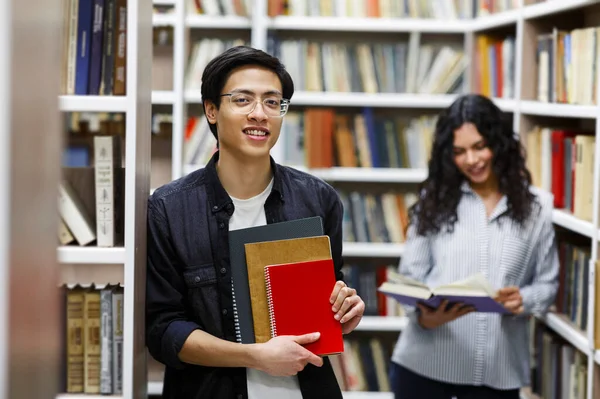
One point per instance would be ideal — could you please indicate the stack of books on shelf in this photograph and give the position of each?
(325, 137)
(393, 67)
(94, 40)
(92, 338)
(91, 193)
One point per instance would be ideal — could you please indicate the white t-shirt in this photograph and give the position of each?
(251, 213)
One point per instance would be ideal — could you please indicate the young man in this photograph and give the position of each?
(190, 309)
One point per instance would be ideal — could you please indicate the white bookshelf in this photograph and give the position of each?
(519, 21)
(382, 323)
(86, 255)
(561, 325)
(87, 261)
(209, 22)
(93, 103)
(372, 250)
(165, 97)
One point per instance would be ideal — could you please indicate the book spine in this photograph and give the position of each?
(270, 303)
(106, 384)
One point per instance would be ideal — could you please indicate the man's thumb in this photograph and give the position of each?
(307, 338)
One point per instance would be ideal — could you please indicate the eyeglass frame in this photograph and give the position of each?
(285, 102)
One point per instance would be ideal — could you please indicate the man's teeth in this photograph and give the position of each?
(255, 132)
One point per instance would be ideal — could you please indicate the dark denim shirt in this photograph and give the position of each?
(188, 283)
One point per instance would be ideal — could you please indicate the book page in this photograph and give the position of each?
(475, 285)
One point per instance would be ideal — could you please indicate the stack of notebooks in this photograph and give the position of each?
(283, 275)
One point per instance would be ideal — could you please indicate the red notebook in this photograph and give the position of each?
(298, 297)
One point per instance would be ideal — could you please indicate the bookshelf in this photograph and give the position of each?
(523, 23)
(123, 263)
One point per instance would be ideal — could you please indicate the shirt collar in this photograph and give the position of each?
(219, 198)
(500, 208)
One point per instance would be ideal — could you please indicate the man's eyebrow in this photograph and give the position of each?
(247, 91)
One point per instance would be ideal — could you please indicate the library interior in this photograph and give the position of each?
(122, 116)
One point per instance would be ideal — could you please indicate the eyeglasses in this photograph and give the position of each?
(242, 103)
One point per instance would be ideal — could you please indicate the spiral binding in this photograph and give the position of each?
(270, 302)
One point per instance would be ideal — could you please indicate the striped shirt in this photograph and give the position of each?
(481, 348)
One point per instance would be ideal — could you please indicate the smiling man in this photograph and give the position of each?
(190, 310)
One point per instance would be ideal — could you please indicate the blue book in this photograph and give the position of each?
(84, 41)
(473, 291)
(96, 48)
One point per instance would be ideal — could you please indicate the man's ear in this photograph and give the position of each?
(210, 110)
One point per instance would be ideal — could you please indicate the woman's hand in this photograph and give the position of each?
(433, 318)
(511, 299)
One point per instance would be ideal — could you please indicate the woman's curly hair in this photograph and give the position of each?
(440, 193)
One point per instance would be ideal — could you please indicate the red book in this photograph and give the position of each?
(298, 296)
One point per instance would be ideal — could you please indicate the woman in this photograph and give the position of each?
(477, 212)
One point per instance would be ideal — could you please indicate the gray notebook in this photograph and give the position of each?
(300, 228)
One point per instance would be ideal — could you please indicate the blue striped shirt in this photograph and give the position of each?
(481, 348)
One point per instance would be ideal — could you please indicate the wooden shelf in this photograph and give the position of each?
(85, 396)
(563, 327)
(378, 175)
(349, 24)
(163, 19)
(166, 97)
(198, 21)
(558, 110)
(496, 20)
(553, 7)
(92, 103)
(372, 250)
(382, 323)
(565, 219)
(91, 255)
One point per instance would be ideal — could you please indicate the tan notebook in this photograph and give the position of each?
(261, 254)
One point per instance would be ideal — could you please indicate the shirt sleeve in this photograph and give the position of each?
(167, 327)
(416, 262)
(539, 295)
(333, 229)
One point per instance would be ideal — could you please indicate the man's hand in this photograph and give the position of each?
(347, 306)
(511, 299)
(285, 356)
(433, 318)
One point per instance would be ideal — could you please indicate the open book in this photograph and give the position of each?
(473, 291)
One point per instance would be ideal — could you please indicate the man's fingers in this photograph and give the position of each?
(342, 295)
(336, 290)
(357, 309)
(349, 301)
(315, 360)
(306, 338)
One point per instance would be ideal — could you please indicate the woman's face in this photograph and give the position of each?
(472, 156)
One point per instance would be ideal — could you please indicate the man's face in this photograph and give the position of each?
(243, 134)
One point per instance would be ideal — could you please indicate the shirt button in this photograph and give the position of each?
(221, 225)
(224, 311)
(215, 207)
(223, 270)
(197, 279)
(240, 396)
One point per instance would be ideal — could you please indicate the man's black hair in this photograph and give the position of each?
(219, 68)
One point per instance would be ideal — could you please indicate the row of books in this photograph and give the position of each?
(202, 52)
(559, 370)
(566, 66)
(562, 161)
(365, 280)
(242, 8)
(92, 339)
(572, 296)
(94, 47)
(398, 67)
(199, 143)
(91, 197)
(494, 66)
(378, 218)
(363, 366)
(324, 137)
(437, 9)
